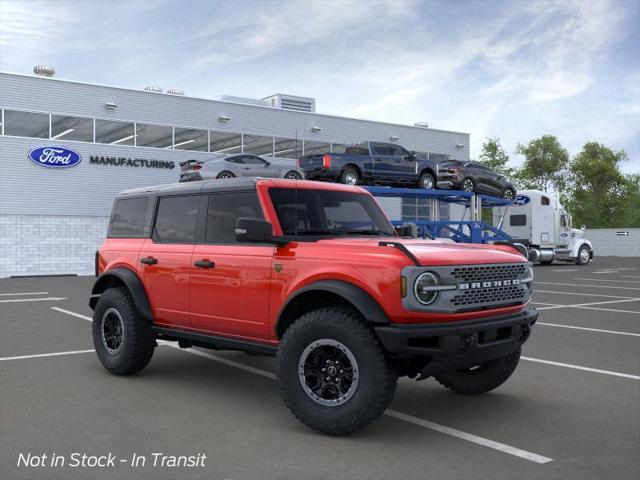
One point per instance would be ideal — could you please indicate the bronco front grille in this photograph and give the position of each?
(491, 296)
(480, 273)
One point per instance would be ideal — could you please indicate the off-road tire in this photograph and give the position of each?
(425, 177)
(377, 377)
(138, 341)
(481, 380)
(346, 173)
(579, 258)
(225, 174)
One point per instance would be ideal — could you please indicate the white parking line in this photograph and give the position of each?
(469, 437)
(629, 276)
(533, 457)
(579, 367)
(615, 332)
(566, 270)
(607, 280)
(73, 314)
(583, 305)
(41, 355)
(23, 293)
(589, 286)
(47, 299)
(606, 271)
(584, 294)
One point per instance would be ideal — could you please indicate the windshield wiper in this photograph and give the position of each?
(366, 232)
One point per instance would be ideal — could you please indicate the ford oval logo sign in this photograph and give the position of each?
(521, 200)
(55, 157)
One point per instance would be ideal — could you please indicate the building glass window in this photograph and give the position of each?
(114, 133)
(157, 136)
(26, 124)
(191, 139)
(316, 148)
(287, 148)
(225, 143)
(258, 145)
(71, 128)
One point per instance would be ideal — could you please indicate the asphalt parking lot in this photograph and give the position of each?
(571, 410)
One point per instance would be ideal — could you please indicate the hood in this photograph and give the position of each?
(437, 252)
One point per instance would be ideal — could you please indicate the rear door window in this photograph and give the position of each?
(176, 219)
(129, 218)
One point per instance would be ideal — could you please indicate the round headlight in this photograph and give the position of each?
(423, 288)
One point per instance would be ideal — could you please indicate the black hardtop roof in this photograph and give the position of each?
(217, 185)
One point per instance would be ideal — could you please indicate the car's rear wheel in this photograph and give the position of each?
(293, 175)
(584, 255)
(333, 373)
(350, 176)
(468, 185)
(122, 339)
(225, 174)
(426, 181)
(509, 194)
(480, 378)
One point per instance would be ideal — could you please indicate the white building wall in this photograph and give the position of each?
(50, 244)
(608, 242)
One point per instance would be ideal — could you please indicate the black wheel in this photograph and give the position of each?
(225, 174)
(584, 255)
(481, 378)
(350, 176)
(509, 194)
(426, 181)
(333, 373)
(468, 185)
(123, 341)
(293, 175)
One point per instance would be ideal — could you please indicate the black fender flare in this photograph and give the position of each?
(131, 282)
(361, 301)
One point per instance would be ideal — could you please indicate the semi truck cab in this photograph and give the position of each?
(540, 222)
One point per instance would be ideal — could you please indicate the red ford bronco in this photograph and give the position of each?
(314, 274)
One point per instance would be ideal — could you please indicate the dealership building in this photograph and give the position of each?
(53, 219)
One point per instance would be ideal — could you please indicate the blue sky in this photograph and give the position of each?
(516, 69)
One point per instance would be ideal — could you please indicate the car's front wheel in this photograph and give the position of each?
(225, 174)
(509, 194)
(333, 373)
(480, 378)
(468, 185)
(427, 181)
(584, 255)
(122, 339)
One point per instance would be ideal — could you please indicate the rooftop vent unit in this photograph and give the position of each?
(175, 91)
(245, 100)
(44, 71)
(153, 88)
(291, 102)
(421, 124)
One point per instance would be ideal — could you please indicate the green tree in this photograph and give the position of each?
(545, 164)
(495, 157)
(630, 215)
(600, 195)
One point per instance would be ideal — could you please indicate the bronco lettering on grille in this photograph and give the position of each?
(491, 284)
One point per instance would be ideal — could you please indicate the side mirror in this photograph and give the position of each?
(255, 230)
(583, 228)
(411, 156)
(408, 229)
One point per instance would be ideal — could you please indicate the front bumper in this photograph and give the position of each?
(457, 345)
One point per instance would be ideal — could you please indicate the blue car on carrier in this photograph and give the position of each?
(372, 163)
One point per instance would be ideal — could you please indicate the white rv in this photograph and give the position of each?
(538, 221)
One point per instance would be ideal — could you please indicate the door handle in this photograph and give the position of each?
(149, 261)
(204, 264)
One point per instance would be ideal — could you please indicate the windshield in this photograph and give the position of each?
(324, 212)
